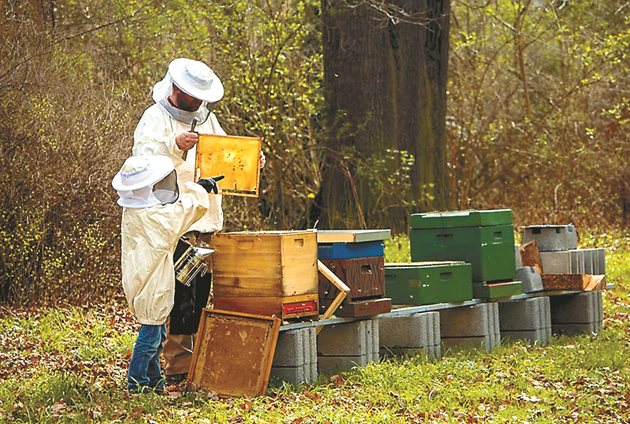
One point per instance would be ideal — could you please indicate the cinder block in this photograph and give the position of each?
(348, 339)
(291, 349)
(579, 308)
(551, 238)
(494, 321)
(468, 321)
(476, 325)
(373, 337)
(293, 375)
(587, 260)
(408, 332)
(600, 261)
(330, 364)
(565, 262)
(522, 315)
(531, 279)
(295, 360)
(404, 335)
(546, 305)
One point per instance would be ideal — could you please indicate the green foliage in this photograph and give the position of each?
(538, 115)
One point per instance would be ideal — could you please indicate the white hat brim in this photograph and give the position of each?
(159, 167)
(212, 94)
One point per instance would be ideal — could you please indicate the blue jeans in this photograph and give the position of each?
(144, 368)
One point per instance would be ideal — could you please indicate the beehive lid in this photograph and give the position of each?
(453, 219)
(422, 264)
(236, 158)
(234, 353)
(352, 236)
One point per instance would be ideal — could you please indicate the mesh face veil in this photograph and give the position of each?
(166, 190)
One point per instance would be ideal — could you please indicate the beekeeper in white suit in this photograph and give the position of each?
(189, 91)
(155, 215)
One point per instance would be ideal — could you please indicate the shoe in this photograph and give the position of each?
(176, 378)
(137, 390)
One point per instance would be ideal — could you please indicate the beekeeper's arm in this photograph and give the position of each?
(176, 218)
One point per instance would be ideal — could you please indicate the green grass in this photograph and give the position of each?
(69, 365)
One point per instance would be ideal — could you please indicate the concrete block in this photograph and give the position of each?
(468, 321)
(531, 279)
(291, 349)
(522, 315)
(476, 325)
(408, 331)
(331, 364)
(587, 260)
(600, 261)
(295, 360)
(565, 262)
(517, 256)
(293, 375)
(551, 238)
(349, 339)
(546, 306)
(373, 340)
(576, 309)
(579, 328)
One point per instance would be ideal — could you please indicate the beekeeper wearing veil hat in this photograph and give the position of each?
(188, 92)
(156, 213)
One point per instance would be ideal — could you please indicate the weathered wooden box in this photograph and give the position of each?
(366, 279)
(267, 272)
(233, 353)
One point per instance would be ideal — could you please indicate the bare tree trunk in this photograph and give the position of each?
(385, 67)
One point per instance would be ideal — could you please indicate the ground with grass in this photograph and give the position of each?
(68, 365)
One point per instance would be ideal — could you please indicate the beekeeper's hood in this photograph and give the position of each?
(194, 78)
(145, 181)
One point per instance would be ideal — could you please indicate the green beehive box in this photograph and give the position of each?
(425, 283)
(487, 291)
(485, 239)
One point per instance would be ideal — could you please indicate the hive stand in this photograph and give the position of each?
(295, 360)
(473, 325)
(578, 313)
(551, 238)
(406, 336)
(341, 347)
(527, 319)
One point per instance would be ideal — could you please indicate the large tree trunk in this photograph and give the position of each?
(385, 88)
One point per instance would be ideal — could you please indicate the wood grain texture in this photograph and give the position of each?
(234, 353)
(530, 256)
(267, 264)
(364, 276)
(577, 282)
(266, 305)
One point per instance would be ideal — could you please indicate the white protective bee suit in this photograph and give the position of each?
(149, 233)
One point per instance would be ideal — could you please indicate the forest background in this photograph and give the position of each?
(538, 112)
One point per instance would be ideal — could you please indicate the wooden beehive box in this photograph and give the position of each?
(266, 272)
(234, 353)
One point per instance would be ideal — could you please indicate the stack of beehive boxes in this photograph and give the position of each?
(484, 239)
(357, 258)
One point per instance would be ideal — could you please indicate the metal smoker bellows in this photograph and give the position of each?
(191, 264)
